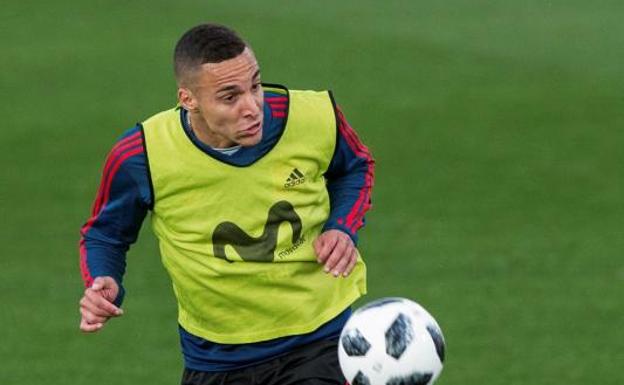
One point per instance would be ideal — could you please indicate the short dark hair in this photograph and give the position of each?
(205, 43)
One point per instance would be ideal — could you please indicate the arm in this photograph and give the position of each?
(350, 180)
(118, 211)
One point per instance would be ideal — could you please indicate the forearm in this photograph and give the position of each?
(350, 181)
(103, 259)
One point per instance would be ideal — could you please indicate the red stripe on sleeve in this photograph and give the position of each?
(105, 187)
(115, 167)
(107, 175)
(121, 146)
(354, 219)
(84, 268)
(278, 114)
(278, 106)
(276, 99)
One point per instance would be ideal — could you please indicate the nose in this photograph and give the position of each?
(251, 106)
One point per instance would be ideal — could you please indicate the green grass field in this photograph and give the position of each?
(497, 130)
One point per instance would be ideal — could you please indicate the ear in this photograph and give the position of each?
(187, 99)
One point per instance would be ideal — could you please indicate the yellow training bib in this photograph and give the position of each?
(237, 241)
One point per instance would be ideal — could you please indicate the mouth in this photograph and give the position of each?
(252, 130)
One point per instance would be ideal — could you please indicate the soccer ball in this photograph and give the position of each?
(391, 341)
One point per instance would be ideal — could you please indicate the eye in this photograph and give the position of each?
(228, 98)
(256, 86)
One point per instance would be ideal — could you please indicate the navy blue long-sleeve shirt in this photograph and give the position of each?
(125, 197)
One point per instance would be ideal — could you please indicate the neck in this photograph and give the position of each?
(203, 132)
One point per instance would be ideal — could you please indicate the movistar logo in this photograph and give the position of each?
(259, 249)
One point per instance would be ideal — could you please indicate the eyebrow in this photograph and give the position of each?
(234, 88)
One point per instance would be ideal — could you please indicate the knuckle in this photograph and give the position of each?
(339, 255)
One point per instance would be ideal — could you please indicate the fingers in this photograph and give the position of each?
(96, 308)
(91, 318)
(324, 245)
(90, 322)
(90, 328)
(351, 264)
(318, 242)
(336, 261)
(336, 251)
(346, 263)
(97, 303)
(98, 284)
(341, 266)
(107, 287)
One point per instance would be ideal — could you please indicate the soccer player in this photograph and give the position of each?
(256, 195)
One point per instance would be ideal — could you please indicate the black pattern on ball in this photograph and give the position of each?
(416, 378)
(398, 336)
(360, 379)
(438, 340)
(354, 343)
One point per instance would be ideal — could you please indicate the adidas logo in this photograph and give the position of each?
(295, 178)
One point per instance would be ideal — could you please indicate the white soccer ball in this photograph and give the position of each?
(391, 341)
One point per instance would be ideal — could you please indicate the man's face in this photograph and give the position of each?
(226, 100)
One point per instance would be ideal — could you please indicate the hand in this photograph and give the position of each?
(336, 250)
(96, 305)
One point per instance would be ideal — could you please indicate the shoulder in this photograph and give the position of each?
(275, 91)
(277, 99)
(276, 94)
(129, 144)
(130, 134)
(126, 164)
(128, 152)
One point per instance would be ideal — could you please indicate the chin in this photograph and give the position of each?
(251, 140)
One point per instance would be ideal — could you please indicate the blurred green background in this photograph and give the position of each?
(498, 205)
